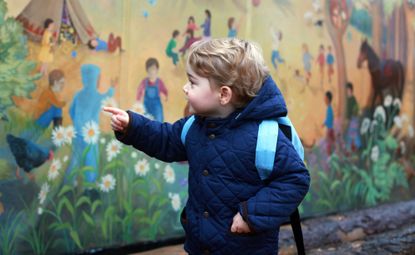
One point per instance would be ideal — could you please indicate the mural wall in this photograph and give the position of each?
(346, 69)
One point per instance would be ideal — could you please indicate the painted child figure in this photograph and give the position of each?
(307, 59)
(330, 63)
(329, 123)
(151, 87)
(353, 141)
(49, 107)
(85, 113)
(230, 208)
(170, 51)
(45, 56)
(321, 60)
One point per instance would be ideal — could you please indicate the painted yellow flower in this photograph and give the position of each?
(142, 167)
(90, 132)
(169, 174)
(58, 136)
(54, 169)
(107, 183)
(113, 149)
(70, 134)
(175, 201)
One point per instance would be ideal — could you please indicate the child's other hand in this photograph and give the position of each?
(239, 226)
(119, 118)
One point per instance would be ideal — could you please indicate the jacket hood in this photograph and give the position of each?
(268, 104)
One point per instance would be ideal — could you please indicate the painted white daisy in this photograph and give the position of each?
(365, 126)
(398, 121)
(58, 136)
(373, 125)
(374, 155)
(142, 167)
(157, 166)
(175, 201)
(411, 131)
(169, 174)
(90, 132)
(397, 103)
(113, 149)
(107, 183)
(54, 169)
(70, 134)
(39, 210)
(380, 113)
(109, 102)
(134, 154)
(388, 101)
(65, 158)
(138, 107)
(44, 190)
(402, 146)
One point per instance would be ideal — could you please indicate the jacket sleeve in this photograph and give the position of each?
(156, 139)
(282, 193)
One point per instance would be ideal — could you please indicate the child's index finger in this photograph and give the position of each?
(112, 110)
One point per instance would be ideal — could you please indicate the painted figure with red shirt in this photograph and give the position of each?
(151, 88)
(321, 60)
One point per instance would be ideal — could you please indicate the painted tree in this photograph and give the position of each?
(16, 78)
(376, 11)
(409, 7)
(337, 16)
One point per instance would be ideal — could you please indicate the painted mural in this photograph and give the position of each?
(345, 68)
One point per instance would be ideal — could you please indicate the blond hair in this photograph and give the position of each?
(231, 62)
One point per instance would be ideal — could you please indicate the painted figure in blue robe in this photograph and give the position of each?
(86, 107)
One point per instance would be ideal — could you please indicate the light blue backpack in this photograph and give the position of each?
(266, 147)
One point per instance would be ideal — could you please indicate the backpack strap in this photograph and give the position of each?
(295, 139)
(265, 147)
(298, 233)
(186, 128)
(264, 162)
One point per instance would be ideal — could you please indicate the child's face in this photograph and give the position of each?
(152, 71)
(326, 100)
(203, 97)
(94, 43)
(349, 92)
(51, 26)
(58, 85)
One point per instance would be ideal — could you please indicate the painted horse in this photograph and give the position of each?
(387, 76)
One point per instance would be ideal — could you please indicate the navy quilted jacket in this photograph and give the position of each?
(223, 179)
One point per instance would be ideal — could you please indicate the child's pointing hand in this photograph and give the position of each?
(119, 118)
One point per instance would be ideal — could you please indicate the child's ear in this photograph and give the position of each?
(225, 95)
